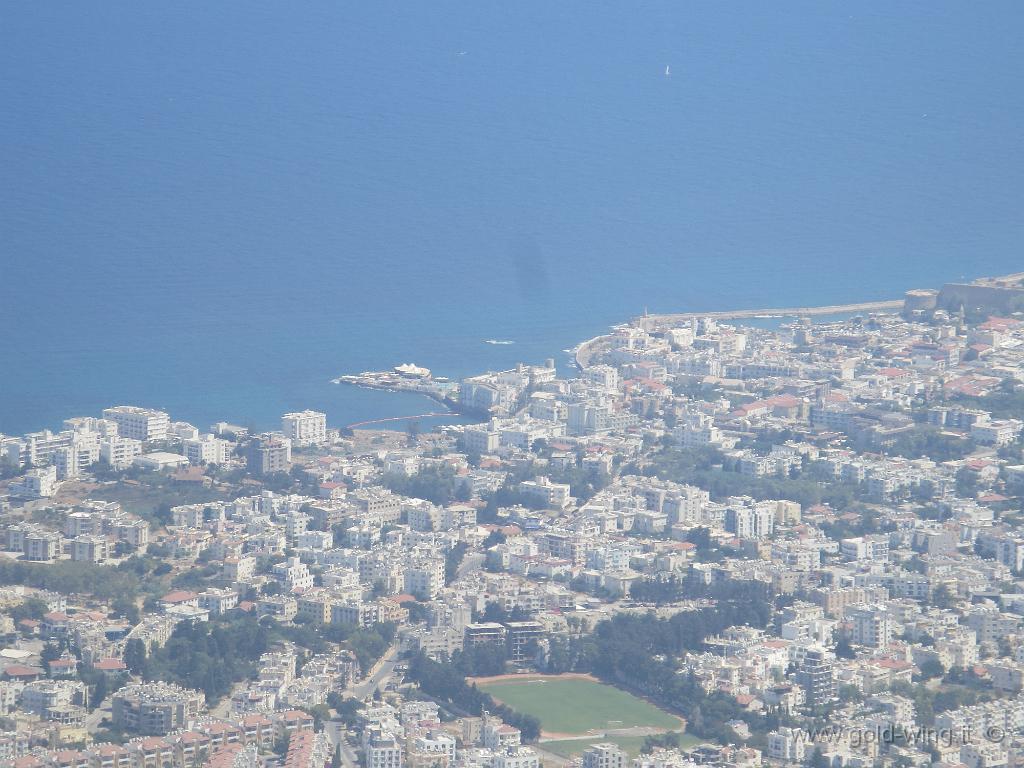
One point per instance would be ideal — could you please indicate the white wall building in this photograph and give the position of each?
(305, 427)
(137, 423)
(206, 449)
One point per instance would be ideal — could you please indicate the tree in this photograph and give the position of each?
(126, 607)
(943, 598)
(435, 484)
(966, 483)
(99, 691)
(347, 709)
(932, 668)
(32, 608)
(494, 538)
(50, 652)
(452, 561)
(135, 655)
(844, 650)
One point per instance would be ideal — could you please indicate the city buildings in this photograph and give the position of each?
(810, 523)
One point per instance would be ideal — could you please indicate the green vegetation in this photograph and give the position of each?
(435, 484)
(368, 644)
(701, 467)
(68, 577)
(577, 705)
(212, 656)
(150, 495)
(1005, 403)
(637, 653)
(207, 656)
(447, 684)
(452, 561)
(931, 442)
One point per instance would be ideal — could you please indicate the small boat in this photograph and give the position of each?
(668, 72)
(498, 341)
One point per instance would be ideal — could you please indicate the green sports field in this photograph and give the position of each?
(577, 706)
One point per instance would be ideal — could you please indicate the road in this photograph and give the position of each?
(335, 732)
(362, 690)
(382, 672)
(92, 720)
(473, 561)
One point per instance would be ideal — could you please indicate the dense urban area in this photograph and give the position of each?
(724, 540)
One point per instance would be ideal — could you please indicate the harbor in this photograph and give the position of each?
(407, 378)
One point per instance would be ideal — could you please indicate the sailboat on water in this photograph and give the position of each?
(668, 71)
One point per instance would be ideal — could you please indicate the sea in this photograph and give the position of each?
(216, 208)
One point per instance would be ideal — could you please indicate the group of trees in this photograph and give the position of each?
(368, 644)
(931, 442)
(637, 652)
(452, 561)
(70, 577)
(446, 683)
(703, 467)
(435, 484)
(206, 656)
(211, 656)
(484, 660)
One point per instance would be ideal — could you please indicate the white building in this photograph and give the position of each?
(137, 423)
(120, 452)
(755, 522)
(305, 427)
(553, 495)
(516, 757)
(787, 744)
(605, 755)
(90, 549)
(871, 626)
(382, 750)
(39, 483)
(294, 574)
(206, 449)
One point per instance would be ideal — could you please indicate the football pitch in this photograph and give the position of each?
(575, 705)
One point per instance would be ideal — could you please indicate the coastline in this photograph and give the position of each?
(584, 351)
(440, 391)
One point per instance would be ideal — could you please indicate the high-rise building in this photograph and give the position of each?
(155, 708)
(755, 522)
(269, 453)
(871, 626)
(815, 676)
(305, 427)
(137, 423)
(206, 449)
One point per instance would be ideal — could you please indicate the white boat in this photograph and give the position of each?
(668, 72)
(498, 341)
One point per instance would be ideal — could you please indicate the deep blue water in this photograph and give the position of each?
(216, 207)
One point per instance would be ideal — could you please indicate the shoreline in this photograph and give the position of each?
(583, 352)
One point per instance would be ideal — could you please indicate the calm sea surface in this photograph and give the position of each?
(216, 207)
